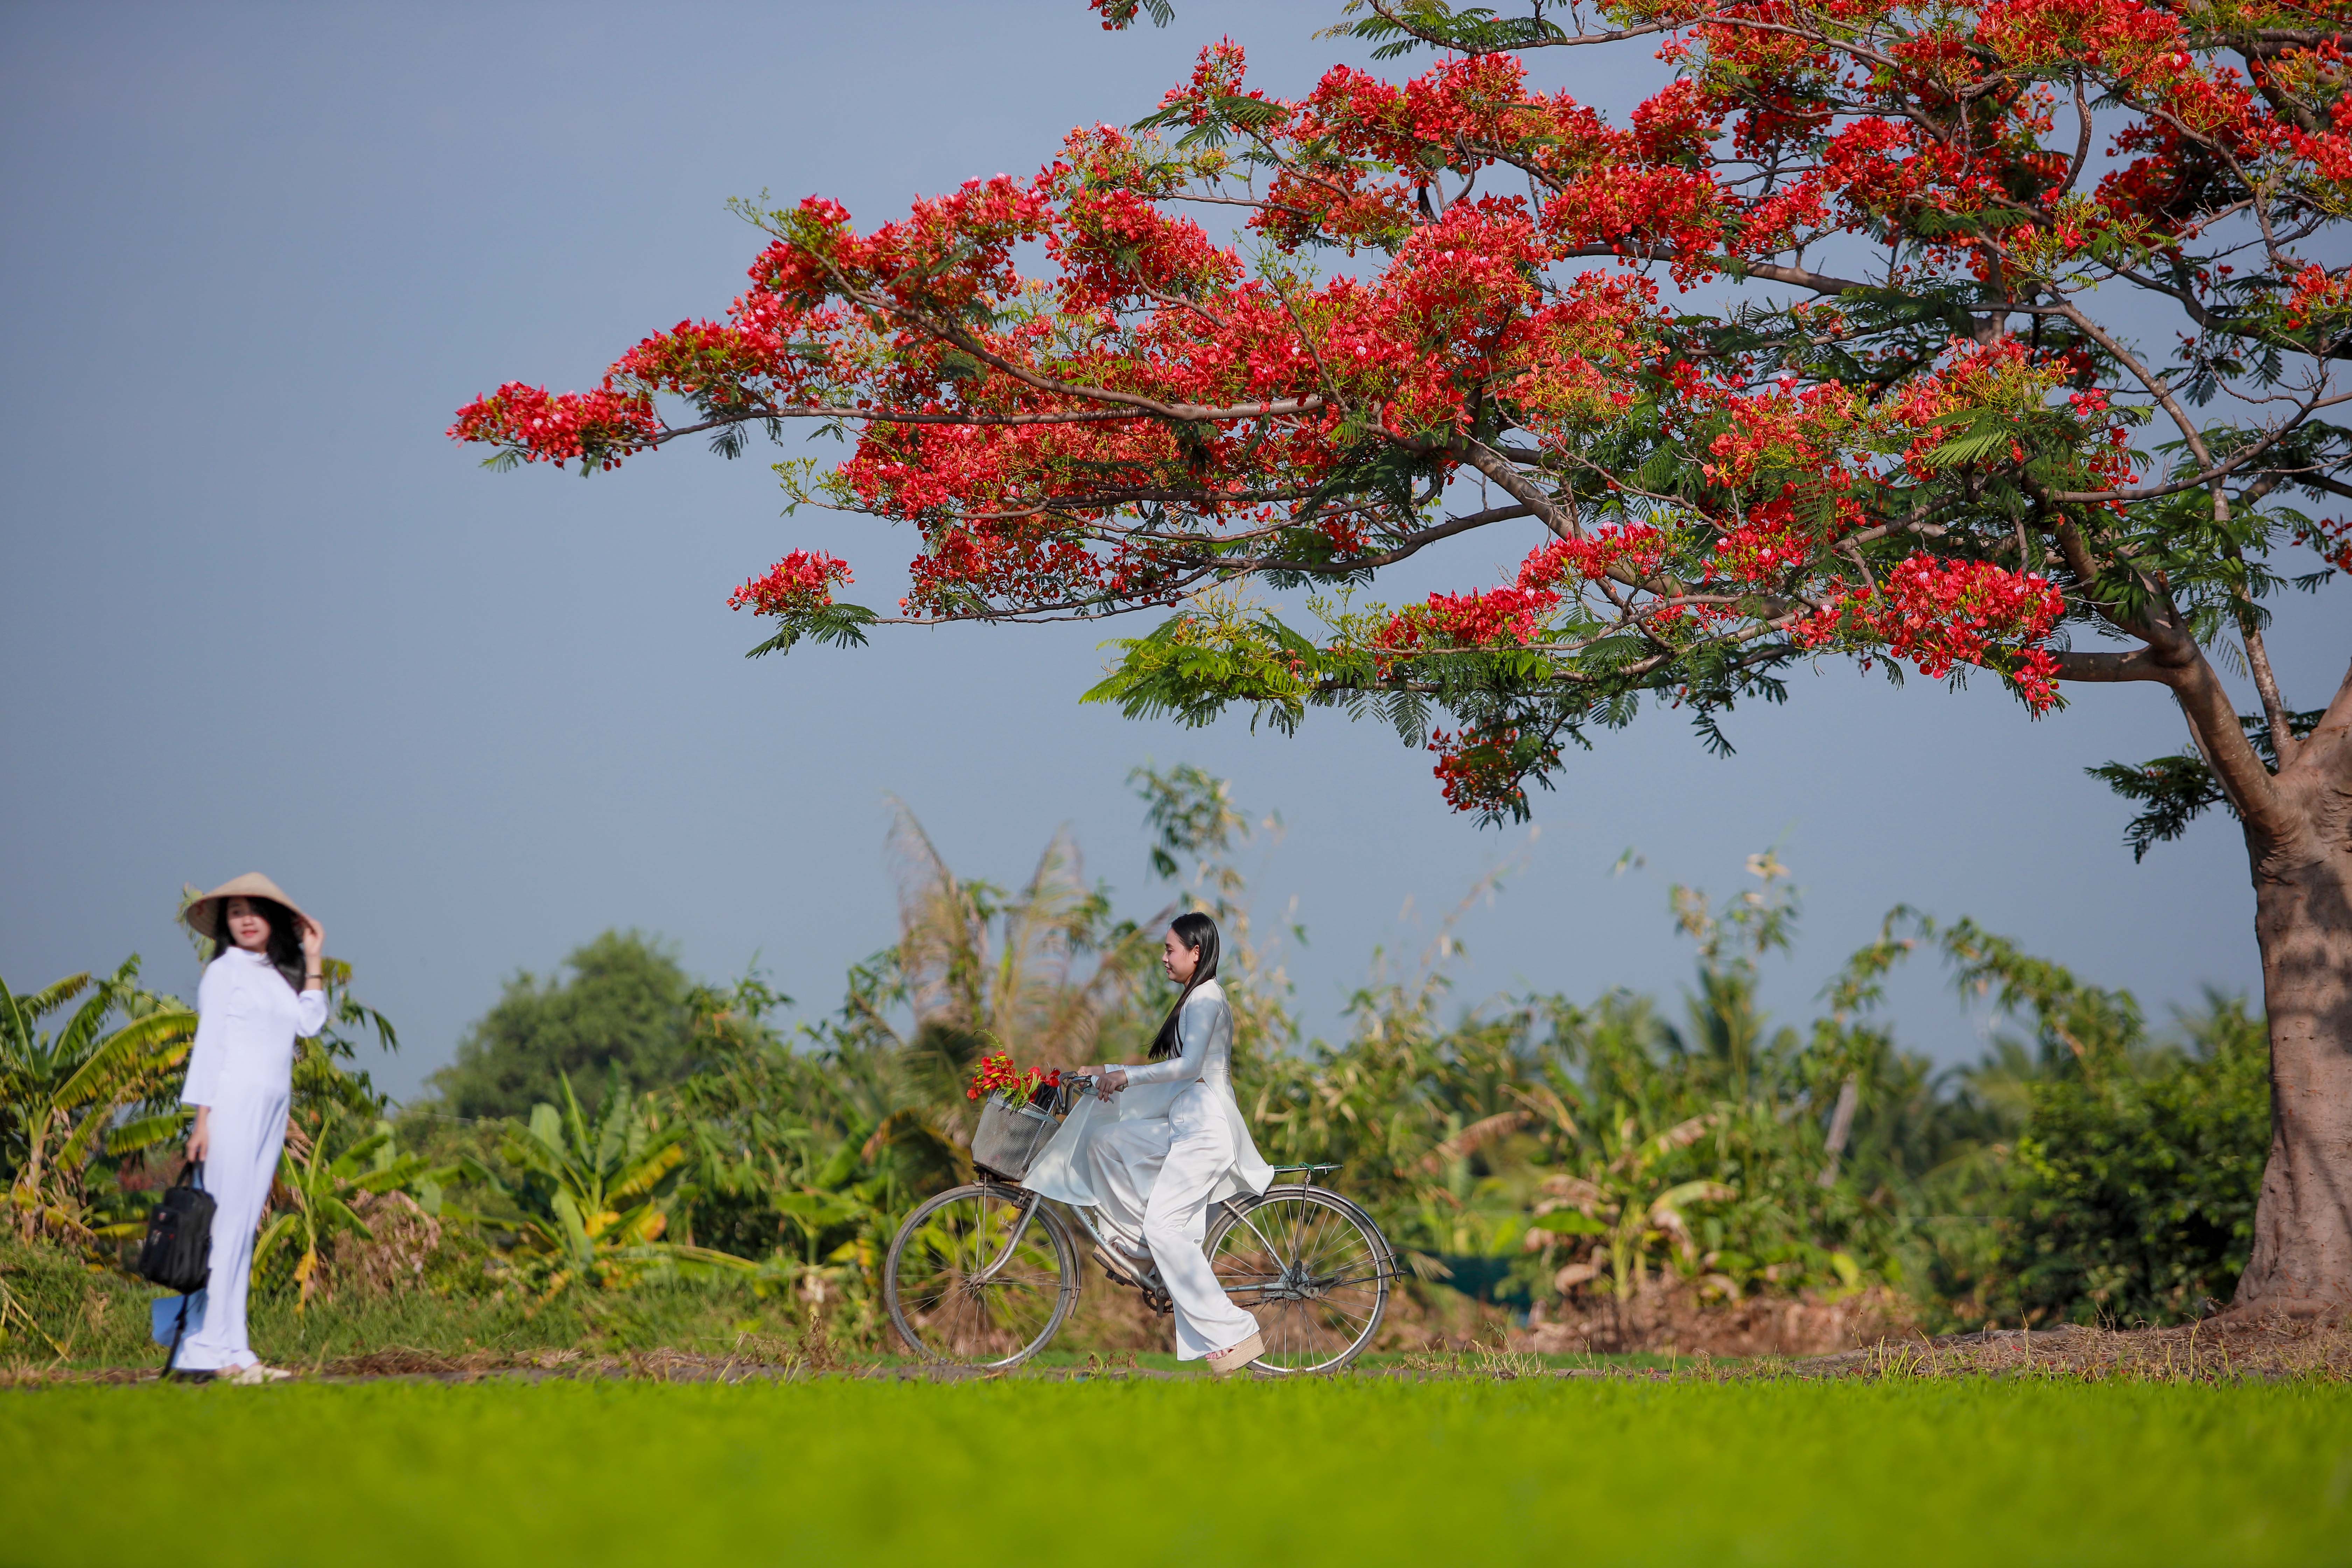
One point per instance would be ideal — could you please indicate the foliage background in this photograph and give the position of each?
(1616, 1173)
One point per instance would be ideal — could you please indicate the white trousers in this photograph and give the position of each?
(248, 1128)
(1152, 1179)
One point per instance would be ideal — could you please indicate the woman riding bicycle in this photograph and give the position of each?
(1172, 1143)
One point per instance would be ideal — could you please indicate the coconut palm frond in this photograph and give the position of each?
(1546, 1103)
(1483, 1130)
(942, 926)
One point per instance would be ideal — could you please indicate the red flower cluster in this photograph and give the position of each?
(2321, 295)
(2331, 537)
(600, 426)
(1480, 618)
(1937, 614)
(1770, 547)
(997, 1075)
(1482, 770)
(798, 583)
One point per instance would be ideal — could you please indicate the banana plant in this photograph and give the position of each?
(321, 1194)
(830, 1197)
(595, 1196)
(61, 1094)
(1620, 1202)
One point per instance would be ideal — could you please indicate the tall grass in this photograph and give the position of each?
(1179, 1472)
(65, 1314)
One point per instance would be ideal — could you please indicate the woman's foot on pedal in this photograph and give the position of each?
(1135, 1272)
(1233, 1358)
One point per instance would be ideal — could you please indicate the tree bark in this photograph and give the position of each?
(2302, 1258)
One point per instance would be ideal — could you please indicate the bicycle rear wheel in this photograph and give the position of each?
(1311, 1267)
(980, 1275)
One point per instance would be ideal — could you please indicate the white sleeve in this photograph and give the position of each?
(310, 1013)
(1195, 1025)
(212, 1025)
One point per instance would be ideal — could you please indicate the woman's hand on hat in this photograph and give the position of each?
(314, 942)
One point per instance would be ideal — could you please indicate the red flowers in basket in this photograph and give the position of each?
(997, 1075)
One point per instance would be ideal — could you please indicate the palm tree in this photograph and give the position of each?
(1012, 970)
(1037, 972)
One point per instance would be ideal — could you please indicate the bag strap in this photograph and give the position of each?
(188, 1165)
(178, 1329)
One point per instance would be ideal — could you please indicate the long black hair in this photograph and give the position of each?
(1199, 933)
(284, 947)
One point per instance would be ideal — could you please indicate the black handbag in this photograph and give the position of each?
(177, 1253)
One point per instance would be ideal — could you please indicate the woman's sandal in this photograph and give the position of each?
(1235, 1358)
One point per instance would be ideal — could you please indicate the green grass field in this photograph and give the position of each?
(1117, 1472)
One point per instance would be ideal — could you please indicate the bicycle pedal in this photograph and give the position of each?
(1120, 1271)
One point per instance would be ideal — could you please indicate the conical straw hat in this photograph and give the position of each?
(203, 915)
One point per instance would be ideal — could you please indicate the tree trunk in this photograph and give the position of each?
(2302, 1258)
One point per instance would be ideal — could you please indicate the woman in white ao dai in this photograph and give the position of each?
(241, 1080)
(1174, 1143)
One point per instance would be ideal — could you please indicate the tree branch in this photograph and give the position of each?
(2140, 664)
(2328, 747)
(2238, 768)
(1515, 484)
(2157, 387)
(1182, 412)
(1409, 546)
(2258, 662)
(892, 416)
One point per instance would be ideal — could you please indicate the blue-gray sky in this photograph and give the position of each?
(263, 616)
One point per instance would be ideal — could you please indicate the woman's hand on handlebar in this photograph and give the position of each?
(1109, 1081)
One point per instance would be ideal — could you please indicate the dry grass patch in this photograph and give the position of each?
(2219, 1349)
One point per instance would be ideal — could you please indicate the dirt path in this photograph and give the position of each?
(2221, 1350)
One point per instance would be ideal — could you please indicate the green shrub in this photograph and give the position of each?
(2132, 1189)
(626, 1006)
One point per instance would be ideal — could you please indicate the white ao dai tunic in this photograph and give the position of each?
(242, 1066)
(1152, 1160)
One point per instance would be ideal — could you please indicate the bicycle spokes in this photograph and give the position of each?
(1313, 1272)
(980, 1277)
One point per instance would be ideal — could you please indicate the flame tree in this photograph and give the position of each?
(1827, 349)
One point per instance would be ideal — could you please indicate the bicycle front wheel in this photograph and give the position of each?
(1311, 1267)
(980, 1275)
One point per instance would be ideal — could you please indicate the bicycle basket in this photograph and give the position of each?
(1010, 1137)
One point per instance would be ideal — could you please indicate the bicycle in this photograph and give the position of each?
(983, 1275)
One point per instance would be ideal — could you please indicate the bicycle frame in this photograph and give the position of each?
(1030, 1203)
